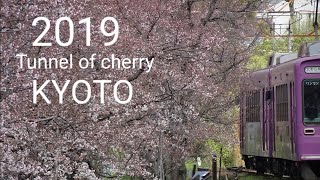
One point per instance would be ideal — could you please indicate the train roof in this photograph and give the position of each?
(281, 61)
(279, 58)
(273, 58)
(309, 49)
(306, 50)
(286, 58)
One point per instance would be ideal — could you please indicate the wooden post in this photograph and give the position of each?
(193, 170)
(220, 163)
(214, 166)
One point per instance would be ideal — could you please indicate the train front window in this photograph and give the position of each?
(311, 101)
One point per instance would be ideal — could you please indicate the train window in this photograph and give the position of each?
(314, 49)
(311, 101)
(282, 103)
(253, 106)
(248, 115)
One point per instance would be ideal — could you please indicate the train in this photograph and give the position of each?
(280, 115)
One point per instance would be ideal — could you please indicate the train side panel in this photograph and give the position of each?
(253, 130)
(282, 82)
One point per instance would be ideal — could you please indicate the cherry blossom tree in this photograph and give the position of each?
(199, 49)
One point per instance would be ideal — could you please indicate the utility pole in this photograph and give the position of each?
(289, 37)
(291, 7)
(273, 36)
(316, 25)
(292, 19)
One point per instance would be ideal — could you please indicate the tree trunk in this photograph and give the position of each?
(173, 171)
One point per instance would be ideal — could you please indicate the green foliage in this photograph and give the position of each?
(263, 50)
(189, 165)
(209, 147)
(228, 153)
(303, 28)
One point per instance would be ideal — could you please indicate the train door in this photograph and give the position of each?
(269, 116)
(292, 117)
(242, 107)
(265, 138)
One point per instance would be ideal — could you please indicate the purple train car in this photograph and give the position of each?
(280, 116)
